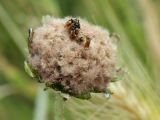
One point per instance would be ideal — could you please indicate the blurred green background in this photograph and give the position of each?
(137, 97)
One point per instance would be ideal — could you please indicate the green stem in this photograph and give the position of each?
(58, 107)
(41, 105)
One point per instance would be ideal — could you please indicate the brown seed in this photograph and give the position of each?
(87, 43)
(31, 33)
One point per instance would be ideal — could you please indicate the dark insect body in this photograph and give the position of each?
(73, 27)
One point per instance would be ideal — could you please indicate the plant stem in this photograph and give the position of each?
(41, 105)
(58, 107)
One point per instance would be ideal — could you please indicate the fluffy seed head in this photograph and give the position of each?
(76, 66)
